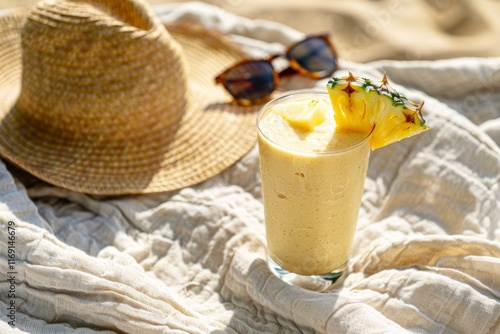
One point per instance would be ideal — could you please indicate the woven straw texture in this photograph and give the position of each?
(98, 97)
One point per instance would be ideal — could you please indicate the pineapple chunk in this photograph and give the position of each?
(361, 105)
(305, 116)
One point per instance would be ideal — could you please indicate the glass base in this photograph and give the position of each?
(318, 283)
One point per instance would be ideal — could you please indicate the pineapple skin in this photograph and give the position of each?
(362, 105)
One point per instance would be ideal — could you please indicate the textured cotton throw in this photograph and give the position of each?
(426, 257)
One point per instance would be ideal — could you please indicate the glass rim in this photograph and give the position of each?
(298, 93)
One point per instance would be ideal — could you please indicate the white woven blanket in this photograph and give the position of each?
(427, 249)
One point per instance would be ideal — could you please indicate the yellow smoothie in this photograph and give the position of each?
(312, 184)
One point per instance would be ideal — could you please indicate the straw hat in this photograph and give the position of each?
(98, 97)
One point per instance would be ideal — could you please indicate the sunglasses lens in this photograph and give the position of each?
(314, 55)
(251, 80)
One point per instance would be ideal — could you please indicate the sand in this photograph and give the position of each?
(365, 30)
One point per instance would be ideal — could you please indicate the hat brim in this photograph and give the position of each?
(212, 135)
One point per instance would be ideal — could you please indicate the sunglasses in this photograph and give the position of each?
(253, 81)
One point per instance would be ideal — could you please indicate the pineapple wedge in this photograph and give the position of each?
(305, 116)
(361, 105)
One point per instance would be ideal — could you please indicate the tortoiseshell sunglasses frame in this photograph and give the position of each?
(293, 68)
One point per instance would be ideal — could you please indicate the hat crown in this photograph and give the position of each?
(101, 70)
(96, 97)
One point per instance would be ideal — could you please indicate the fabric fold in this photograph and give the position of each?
(426, 254)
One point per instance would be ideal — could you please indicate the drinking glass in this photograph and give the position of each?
(311, 200)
